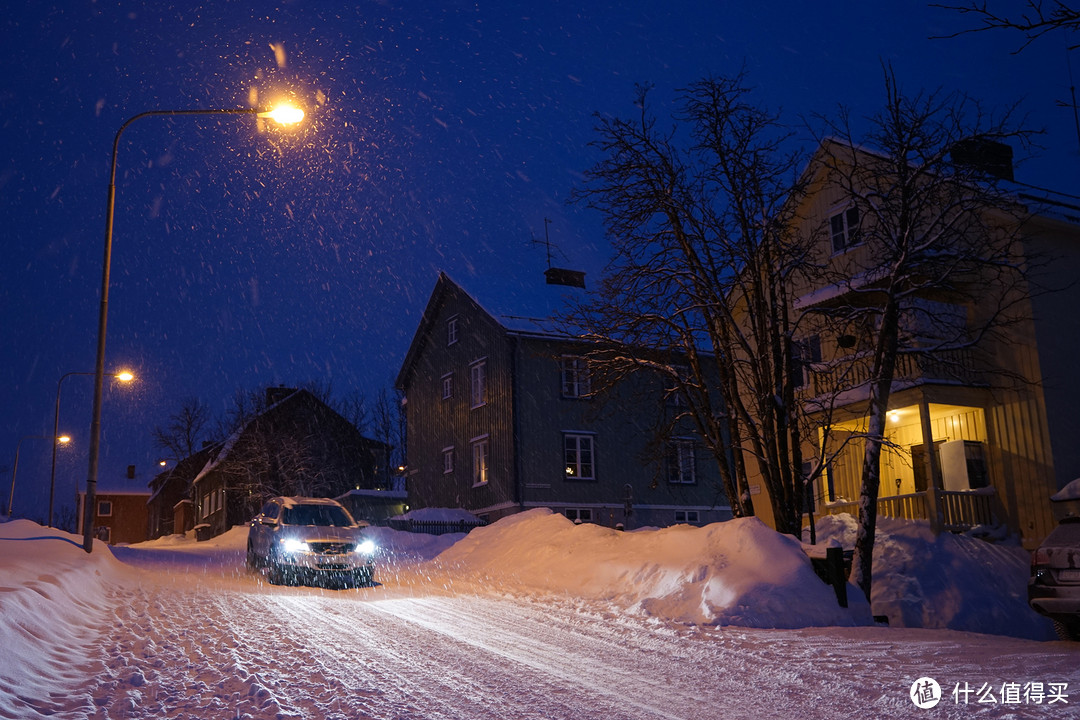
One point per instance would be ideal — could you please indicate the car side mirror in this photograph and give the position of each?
(268, 521)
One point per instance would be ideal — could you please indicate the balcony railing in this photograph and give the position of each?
(952, 366)
(958, 510)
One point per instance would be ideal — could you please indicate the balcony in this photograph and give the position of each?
(852, 373)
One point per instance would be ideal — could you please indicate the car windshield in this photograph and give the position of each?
(323, 515)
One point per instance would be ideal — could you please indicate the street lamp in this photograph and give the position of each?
(14, 470)
(280, 115)
(124, 376)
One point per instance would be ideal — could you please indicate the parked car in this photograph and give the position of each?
(1054, 587)
(302, 540)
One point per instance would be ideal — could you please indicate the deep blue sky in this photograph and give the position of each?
(440, 136)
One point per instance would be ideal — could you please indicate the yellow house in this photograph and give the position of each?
(978, 432)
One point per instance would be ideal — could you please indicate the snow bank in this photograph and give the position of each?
(53, 601)
(944, 581)
(734, 573)
(1069, 492)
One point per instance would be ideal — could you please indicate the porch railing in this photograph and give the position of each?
(959, 510)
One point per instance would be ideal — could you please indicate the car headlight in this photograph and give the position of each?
(292, 545)
(366, 547)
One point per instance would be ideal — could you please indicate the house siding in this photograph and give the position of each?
(525, 420)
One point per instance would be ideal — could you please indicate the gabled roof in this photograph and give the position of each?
(194, 467)
(528, 313)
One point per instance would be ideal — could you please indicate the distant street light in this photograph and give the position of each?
(124, 376)
(283, 116)
(14, 470)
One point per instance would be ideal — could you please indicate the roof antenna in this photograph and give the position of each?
(546, 242)
(554, 275)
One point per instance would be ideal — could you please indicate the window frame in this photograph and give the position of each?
(574, 377)
(848, 232)
(686, 519)
(108, 504)
(447, 386)
(572, 469)
(451, 330)
(448, 460)
(478, 383)
(481, 464)
(585, 515)
(678, 449)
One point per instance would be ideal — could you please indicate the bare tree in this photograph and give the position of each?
(184, 433)
(389, 428)
(1031, 18)
(932, 231)
(697, 294)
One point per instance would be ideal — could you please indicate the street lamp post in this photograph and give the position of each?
(284, 116)
(122, 376)
(15, 468)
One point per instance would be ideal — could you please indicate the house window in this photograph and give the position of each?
(448, 460)
(448, 386)
(575, 376)
(478, 377)
(680, 462)
(805, 353)
(843, 227)
(451, 330)
(579, 458)
(579, 514)
(686, 516)
(104, 508)
(481, 459)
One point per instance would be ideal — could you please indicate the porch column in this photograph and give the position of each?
(933, 469)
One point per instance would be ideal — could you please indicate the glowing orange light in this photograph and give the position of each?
(284, 115)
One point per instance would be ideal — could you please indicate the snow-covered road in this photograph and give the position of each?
(191, 640)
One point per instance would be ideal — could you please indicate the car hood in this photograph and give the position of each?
(313, 533)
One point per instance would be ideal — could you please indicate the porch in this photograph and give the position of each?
(946, 510)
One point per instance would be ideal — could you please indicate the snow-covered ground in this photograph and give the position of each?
(530, 617)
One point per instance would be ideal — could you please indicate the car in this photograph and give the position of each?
(1054, 586)
(305, 540)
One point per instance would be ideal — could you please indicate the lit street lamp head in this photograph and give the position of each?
(284, 115)
(124, 376)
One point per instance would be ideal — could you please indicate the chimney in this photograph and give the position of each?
(561, 276)
(277, 394)
(986, 156)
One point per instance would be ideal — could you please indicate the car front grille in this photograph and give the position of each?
(330, 548)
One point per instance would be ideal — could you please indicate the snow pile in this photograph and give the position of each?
(734, 573)
(944, 581)
(1069, 492)
(54, 595)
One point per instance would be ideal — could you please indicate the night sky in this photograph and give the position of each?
(439, 136)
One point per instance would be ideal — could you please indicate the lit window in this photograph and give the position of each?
(448, 460)
(451, 330)
(575, 377)
(478, 377)
(481, 458)
(680, 462)
(843, 227)
(579, 457)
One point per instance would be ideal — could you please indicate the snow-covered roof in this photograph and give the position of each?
(530, 310)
